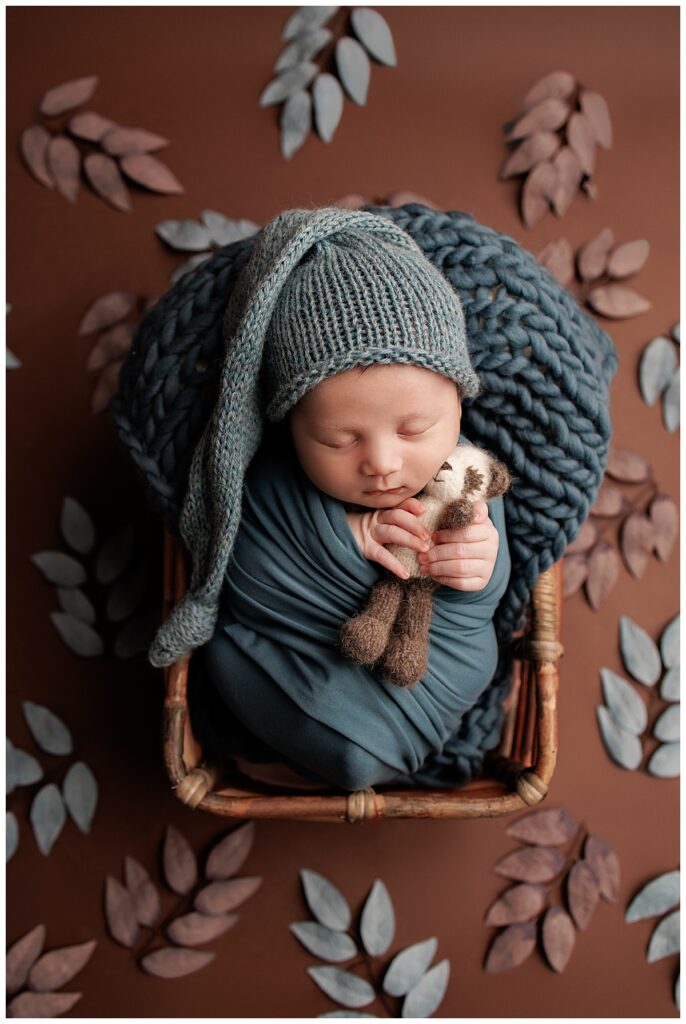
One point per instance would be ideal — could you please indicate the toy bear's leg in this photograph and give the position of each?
(405, 660)
(364, 637)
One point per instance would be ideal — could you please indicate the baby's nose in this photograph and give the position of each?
(381, 460)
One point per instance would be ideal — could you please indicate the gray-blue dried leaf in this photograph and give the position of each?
(324, 942)
(189, 266)
(49, 731)
(354, 69)
(74, 602)
(296, 122)
(80, 793)
(667, 726)
(77, 526)
(408, 966)
(623, 746)
(60, 569)
(77, 635)
(670, 403)
(655, 898)
(327, 904)
(426, 996)
(377, 923)
(304, 47)
(184, 235)
(304, 19)
(342, 986)
(327, 98)
(224, 230)
(21, 768)
(127, 593)
(665, 938)
(624, 702)
(657, 365)
(345, 1013)
(669, 643)
(11, 361)
(114, 555)
(136, 635)
(664, 763)
(676, 333)
(639, 652)
(373, 32)
(670, 687)
(47, 816)
(290, 82)
(11, 835)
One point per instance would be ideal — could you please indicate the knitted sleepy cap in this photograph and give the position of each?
(323, 291)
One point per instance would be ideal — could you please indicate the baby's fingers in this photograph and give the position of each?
(413, 505)
(379, 554)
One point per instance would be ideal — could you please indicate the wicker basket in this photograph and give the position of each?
(517, 775)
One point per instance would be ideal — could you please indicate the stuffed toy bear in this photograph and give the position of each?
(393, 627)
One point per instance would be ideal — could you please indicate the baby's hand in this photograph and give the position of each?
(398, 525)
(464, 559)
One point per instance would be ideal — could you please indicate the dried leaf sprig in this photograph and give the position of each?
(407, 976)
(556, 136)
(114, 316)
(87, 142)
(203, 914)
(77, 794)
(523, 911)
(202, 237)
(648, 525)
(659, 376)
(31, 978)
(623, 718)
(654, 899)
(296, 71)
(594, 270)
(119, 578)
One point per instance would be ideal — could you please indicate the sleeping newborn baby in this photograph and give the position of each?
(323, 500)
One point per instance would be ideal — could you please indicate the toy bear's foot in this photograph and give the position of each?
(405, 661)
(364, 638)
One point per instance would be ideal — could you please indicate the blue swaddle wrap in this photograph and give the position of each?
(294, 576)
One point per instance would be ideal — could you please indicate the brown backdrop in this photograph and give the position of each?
(431, 125)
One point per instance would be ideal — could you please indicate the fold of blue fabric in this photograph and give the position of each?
(294, 576)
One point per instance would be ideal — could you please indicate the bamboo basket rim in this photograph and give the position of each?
(520, 771)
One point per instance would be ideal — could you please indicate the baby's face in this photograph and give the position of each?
(377, 437)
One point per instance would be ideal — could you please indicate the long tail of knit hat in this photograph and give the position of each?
(324, 290)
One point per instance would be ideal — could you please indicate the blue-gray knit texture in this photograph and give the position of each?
(324, 290)
(544, 365)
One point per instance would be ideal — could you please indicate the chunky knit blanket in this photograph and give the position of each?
(545, 368)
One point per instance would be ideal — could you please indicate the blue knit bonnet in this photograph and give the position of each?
(324, 290)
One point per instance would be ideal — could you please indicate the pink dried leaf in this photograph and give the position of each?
(89, 126)
(229, 855)
(146, 170)
(121, 140)
(120, 913)
(42, 1004)
(34, 149)
(59, 966)
(64, 163)
(179, 862)
(171, 962)
(112, 344)
(103, 174)
(21, 956)
(108, 309)
(68, 95)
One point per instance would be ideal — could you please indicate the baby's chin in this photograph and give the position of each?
(387, 500)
